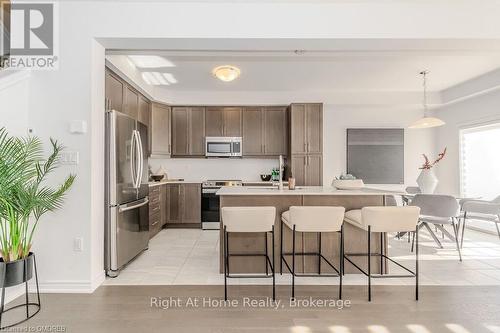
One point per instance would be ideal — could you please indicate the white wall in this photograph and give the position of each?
(478, 110)
(14, 96)
(67, 94)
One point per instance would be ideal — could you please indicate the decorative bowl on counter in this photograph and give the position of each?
(265, 178)
(157, 178)
(348, 184)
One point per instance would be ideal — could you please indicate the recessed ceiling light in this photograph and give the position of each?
(150, 61)
(158, 78)
(226, 73)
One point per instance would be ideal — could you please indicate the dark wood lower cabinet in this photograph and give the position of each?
(155, 211)
(183, 205)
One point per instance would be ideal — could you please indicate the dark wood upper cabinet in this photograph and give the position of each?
(223, 121)
(188, 131)
(160, 130)
(114, 92)
(298, 141)
(214, 122)
(232, 121)
(144, 116)
(314, 128)
(131, 102)
(196, 131)
(306, 143)
(180, 131)
(253, 131)
(275, 131)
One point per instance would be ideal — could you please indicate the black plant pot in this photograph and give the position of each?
(16, 272)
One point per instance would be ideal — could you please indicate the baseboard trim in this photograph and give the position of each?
(71, 287)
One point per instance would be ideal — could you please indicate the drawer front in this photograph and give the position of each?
(154, 216)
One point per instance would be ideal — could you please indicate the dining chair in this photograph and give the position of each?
(480, 210)
(438, 210)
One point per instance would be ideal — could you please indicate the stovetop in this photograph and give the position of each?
(221, 183)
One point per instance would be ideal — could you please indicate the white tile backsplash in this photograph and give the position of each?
(248, 169)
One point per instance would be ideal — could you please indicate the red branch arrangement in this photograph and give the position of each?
(428, 165)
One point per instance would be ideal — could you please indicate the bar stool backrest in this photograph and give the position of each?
(390, 219)
(437, 205)
(248, 219)
(317, 218)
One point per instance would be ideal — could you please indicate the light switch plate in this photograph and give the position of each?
(70, 158)
(78, 127)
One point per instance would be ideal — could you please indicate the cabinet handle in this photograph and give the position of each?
(305, 147)
(308, 147)
(169, 148)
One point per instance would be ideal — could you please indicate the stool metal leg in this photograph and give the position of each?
(226, 261)
(381, 253)
(293, 263)
(267, 256)
(273, 268)
(369, 266)
(281, 248)
(416, 264)
(319, 252)
(341, 264)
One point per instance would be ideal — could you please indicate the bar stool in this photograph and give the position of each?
(318, 220)
(248, 219)
(382, 220)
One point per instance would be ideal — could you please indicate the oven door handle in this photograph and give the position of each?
(209, 190)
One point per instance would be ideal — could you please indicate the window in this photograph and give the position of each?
(480, 161)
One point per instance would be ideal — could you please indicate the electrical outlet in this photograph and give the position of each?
(78, 244)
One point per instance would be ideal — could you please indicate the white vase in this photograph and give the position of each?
(427, 181)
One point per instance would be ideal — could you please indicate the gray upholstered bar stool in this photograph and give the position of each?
(316, 220)
(383, 220)
(249, 219)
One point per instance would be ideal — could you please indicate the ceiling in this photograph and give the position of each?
(319, 71)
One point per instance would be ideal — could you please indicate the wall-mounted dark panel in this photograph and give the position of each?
(376, 155)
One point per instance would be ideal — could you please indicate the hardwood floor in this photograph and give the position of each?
(454, 309)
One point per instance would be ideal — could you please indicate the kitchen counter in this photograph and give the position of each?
(301, 190)
(164, 182)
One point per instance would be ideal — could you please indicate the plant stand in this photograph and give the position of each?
(27, 302)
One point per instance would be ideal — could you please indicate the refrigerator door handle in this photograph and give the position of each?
(126, 207)
(136, 159)
(133, 161)
(140, 158)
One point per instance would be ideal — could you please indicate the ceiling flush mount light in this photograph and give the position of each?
(426, 121)
(226, 73)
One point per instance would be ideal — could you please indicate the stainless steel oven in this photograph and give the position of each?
(223, 146)
(210, 203)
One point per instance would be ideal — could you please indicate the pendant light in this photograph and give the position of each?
(426, 121)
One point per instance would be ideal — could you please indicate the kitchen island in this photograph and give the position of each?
(355, 238)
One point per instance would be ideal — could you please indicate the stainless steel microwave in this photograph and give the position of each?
(223, 146)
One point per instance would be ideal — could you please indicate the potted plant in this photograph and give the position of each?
(24, 199)
(427, 180)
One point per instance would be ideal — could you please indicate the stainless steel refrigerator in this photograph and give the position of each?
(127, 203)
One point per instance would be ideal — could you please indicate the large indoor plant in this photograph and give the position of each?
(24, 198)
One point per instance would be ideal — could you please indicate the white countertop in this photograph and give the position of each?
(164, 182)
(301, 190)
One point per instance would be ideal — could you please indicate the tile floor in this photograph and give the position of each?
(190, 257)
